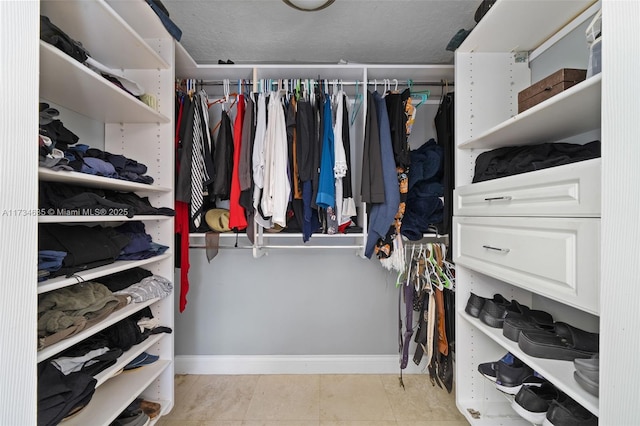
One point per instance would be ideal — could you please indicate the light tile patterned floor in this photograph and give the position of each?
(310, 400)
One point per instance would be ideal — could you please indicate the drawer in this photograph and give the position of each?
(556, 257)
(571, 190)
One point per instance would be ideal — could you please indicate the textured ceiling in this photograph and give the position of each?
(268, 31)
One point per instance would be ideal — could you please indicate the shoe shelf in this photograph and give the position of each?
(492, 414)
(110, 399)
(86, 92)
(126, 358)
(547, 121)
(116, 316)
(98, 218)
(100, 182)
(101, 271)
(558, 372)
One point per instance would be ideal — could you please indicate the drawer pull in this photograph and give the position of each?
(503, 250)
(506, 198)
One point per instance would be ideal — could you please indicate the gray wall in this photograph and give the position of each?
(292, 302)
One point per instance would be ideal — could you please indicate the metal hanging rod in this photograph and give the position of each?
(441, 83)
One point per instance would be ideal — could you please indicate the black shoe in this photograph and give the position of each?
(494, 311)
(510, 378)
(532, 402)
(566, 412)
(474, 305)
(564, 342)
(488, 369)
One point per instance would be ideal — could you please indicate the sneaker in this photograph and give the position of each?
(532, 402)
(488, 369)
(511, 378)
(566, 412)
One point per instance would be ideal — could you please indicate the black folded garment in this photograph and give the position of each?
(121, 280)
(60, 395)
(62, 197)
(509, 161)
(86, 246)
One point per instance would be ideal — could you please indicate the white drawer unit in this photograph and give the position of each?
(572, 190)
(555, 257)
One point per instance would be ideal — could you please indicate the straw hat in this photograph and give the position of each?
(218, 220)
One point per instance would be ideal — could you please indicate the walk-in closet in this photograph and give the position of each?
(319, 212)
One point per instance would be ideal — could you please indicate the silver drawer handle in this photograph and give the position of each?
(506, 198)
(503, 250)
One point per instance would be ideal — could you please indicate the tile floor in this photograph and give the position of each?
(310, 400)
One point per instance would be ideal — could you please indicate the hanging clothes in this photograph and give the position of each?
(277, 189)
(258, 162)
(305, 146)
(223, 159)
(326, 188)
(340, 166)
(372, 185)
(181, 220)
(245, 171)
(237, 218)
(381, 215)
(444, 122)
(348, 204)
(389, 249)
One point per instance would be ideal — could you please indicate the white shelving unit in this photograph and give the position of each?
(523, 210)
(137, 46)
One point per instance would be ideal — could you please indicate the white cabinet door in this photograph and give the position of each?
(572, 190)
(555, 257)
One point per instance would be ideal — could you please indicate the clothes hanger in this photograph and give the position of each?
(357, 103)
(423, 95)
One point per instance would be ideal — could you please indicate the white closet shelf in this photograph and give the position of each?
(99, 218)
(65, 81)
(107, 37)
(518, 26)
(126, 358)
(116, 316)
(92, 181)
(110, 399)
(548, 121)
(559, 372)
(101, 271)
(491, 413)
(140, 16)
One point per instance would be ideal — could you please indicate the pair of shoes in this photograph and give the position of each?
(511, 378)
(587, 373)
(563, 342)
(488, 369)
(564, 411)
(532, 402)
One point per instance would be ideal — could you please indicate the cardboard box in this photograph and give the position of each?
(549, 86)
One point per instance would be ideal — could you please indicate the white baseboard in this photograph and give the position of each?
(292, 364)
